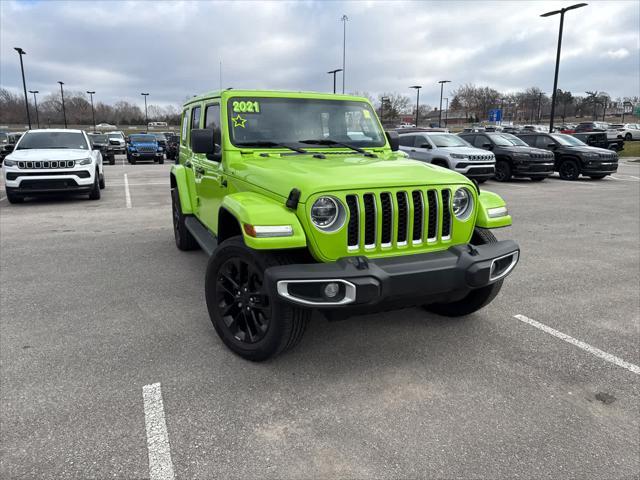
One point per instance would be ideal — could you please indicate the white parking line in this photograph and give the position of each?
(160, 463)
(2, 198)
(617, 177)
(580, 344)
(138, 184)
(127, 193)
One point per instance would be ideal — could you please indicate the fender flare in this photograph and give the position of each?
(490, 201)
(178, 177)
(254, 209)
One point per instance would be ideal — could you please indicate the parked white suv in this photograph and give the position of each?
(449, 151)
(53, 161)
(117, 141)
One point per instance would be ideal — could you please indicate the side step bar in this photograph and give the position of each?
(207, 241)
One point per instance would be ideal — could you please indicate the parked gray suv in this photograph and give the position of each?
(449, 151)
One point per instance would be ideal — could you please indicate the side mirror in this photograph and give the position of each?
(426, 145)
(203, 141)
(487, 146)
(551, 145)
(394, 140)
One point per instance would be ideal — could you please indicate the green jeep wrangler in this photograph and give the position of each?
(303, 202)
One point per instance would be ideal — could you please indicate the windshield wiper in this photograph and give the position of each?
(326, 141)
(264, 143)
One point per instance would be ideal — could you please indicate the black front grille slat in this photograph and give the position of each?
(387, 219)
(432, 225)
(446, 213)
(369, 219)
(418, 213)
(16, 175)
(353, 233)
(403, 216)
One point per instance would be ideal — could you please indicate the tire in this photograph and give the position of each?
(95, 191)
(628, 137)
(184, 239)
(273, 326)
(481, 180)
(440, 163)
(537, 179)
(597, 177)
(569, 170)
(161, 161)
(503, 171)
(112, 161)
(13, 197)
(101, 181)
(477, 298)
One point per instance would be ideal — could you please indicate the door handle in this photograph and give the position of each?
(413, 149)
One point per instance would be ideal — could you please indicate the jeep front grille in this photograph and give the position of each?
(381, 220)
(48, 164)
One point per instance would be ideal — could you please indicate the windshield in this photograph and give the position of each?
(143, 138)
(33, 140)
(98, 138)
(289, 120)
(160, 136)
(506, 139)
(448, 140)
(568, 140)
(115, 135)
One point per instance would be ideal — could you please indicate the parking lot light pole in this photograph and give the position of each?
(64, 112)
(21, 52)
(93, 112)
(446, 112)
(417, 88)
(146, 118)
(441, 82)
(562, 11)
(344, 19)
(334, 77)
(35, 101)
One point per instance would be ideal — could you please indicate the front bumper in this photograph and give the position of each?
(534, 168)
(476, 170)
(366, 285)
(149, 156)
(599, 168)
(49, 180)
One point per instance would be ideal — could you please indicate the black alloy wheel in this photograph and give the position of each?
(243, 303)
(503, 171)
(569, 170)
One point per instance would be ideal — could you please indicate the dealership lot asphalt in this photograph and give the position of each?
(97, 303)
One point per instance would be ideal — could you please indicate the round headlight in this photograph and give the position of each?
(325, 212)
(462, 203)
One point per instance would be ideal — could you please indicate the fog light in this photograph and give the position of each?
(331, 290)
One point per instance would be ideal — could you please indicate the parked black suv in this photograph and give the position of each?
(173, 142)
(600, 139)
(573, 157)
(514, 158)
(106, 149)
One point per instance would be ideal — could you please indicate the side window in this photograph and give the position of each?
(542, 141)
(195, 118)
(480, 140)
(185, 128)
(421, 140)
(407, 140)
(528, 139)
(212, 120)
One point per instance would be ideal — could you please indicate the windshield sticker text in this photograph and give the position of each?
(246, 107)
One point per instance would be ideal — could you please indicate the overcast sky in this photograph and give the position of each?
(173, 49)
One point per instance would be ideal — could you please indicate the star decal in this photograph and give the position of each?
(238, 121)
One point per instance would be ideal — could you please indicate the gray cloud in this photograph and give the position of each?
(173, 49)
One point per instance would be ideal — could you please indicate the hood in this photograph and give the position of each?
(280, 174)
(50, 154)
(587, 149)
